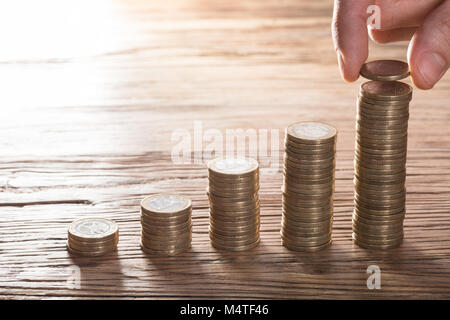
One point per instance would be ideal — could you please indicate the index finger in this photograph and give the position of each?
(349, 30)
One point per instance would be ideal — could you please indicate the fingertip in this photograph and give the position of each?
(349, 72)
(427, 68)
(426, 71)
(419, 81)
(350, 37)
(420, 84)
(351, 76)
(428, 52)
(416, 76)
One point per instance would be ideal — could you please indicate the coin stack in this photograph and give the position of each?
(166, 224)
(308, 186)
(234, 203)
(92, 237)
(380, 155)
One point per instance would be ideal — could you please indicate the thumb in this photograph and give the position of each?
(429, 50)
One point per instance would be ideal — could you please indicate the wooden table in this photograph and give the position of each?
(91, 95)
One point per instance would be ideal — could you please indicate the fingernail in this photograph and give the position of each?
(432, 66)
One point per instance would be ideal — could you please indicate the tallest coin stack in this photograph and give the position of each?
(380, 155)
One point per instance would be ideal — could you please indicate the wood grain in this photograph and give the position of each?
(87, 132)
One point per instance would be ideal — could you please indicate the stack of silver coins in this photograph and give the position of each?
(308, 186)
(166, 224)
(234, 203)
(92, 237)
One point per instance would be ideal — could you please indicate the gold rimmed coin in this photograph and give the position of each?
(166, 224)
(93, 229)
(169, 252)
(87, 244)
(386, 90)
(92, 236)
(311, 133)
(233, 167)
(306, 240)
(221, 246)
(293, 247)
(383, 104)
(376, 246)
(165, 204)
(231, 243)
(76, 252)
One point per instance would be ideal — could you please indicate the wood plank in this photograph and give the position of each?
(88, 132)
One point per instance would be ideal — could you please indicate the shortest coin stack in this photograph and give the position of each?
(166, 224)
(308, 186)
(92, 237)
(234, 203)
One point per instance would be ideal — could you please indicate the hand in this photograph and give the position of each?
(425, 22)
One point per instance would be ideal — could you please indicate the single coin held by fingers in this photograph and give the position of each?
(385, 70)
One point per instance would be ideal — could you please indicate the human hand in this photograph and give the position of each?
(426, 23)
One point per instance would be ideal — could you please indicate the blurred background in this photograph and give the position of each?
(82, 77)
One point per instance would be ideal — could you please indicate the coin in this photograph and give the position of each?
(376, 246)
(384, 104)
(165, 204)
(379, 219)
(305, 241)
(311, 188)
(221, 246)
(236, 229)
(385, 70)
(232, 167)
(231, 243)
(292, 247)
(166, 244)
(378, 111)
(166, 224)
(306, 230)
(311, 133)
(371, 139)
(386, 90)
(76, 244)
(311, 166)
(169, 252)
(307, 150)
(92, 236)
(389, 158)
(91, 248)
(230, 187)
(76, 252)
(93, 229)
(314, 210)
(382, 226)
(165, 232)
(362, 129)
